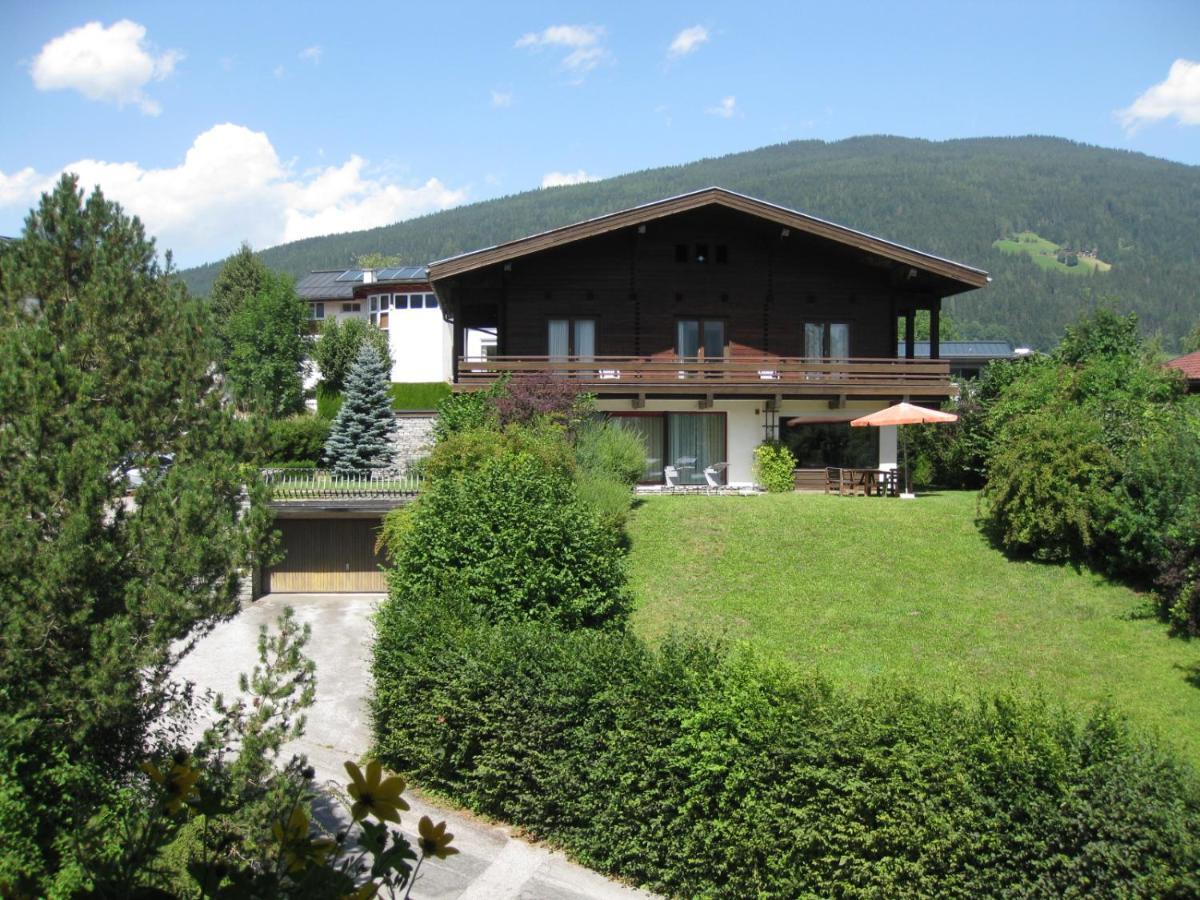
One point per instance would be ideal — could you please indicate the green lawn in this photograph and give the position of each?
(860, 588)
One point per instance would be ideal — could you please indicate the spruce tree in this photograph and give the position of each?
(360, 438)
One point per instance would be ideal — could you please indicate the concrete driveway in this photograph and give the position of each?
(492, 865)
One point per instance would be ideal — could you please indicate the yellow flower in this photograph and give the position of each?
(298, 848)
(179, 783)
(375, 795)
(364, 892)
(433, 840)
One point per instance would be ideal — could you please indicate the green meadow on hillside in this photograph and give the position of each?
(863, 589)
(1047, 254)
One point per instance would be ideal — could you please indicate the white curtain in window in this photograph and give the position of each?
(558, 338)
(839, 340)
(585, 338)
(814, 339)
(695, 441)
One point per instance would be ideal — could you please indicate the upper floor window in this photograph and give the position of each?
(378, 306)
(351, 307)
(316, 310)
(827, 339)
(571, 337)
(700, 338)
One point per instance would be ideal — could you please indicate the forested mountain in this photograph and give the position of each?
(952, 198)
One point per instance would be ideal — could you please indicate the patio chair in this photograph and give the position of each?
(714, 473)
(671, 477)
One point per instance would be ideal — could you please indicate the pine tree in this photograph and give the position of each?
(241, 277)
(105, 367)
(360, 438)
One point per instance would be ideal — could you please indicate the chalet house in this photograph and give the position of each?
(1189, 365)
(710, 322)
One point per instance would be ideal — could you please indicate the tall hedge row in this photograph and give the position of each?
(705, 773)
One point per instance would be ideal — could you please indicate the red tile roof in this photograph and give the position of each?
(1189, 365)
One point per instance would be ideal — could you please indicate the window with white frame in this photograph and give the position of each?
(316, 310)
(378, 307)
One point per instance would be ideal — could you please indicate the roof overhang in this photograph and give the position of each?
(967, 276)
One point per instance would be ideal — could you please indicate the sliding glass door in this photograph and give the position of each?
(691, 442)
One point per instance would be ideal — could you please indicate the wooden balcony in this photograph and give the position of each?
(727, 376)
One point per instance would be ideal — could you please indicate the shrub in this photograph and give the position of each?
(1049, 486)
(526, 398)
(703, 773)
(338, 346)
(504, 527)
(467, 410)
(298, 439)
(604, 448)
(773, 466)
(610, 500)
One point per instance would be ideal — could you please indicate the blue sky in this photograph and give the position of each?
(218, 122)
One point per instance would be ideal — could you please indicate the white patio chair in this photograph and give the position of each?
(671, 477)
(713, 475)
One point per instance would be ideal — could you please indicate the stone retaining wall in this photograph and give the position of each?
(413, 437)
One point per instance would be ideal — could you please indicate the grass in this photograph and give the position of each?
(416, 395)
(1045, 254)
(863, 588)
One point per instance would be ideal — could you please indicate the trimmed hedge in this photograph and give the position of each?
(416, 395)
(295, 441)
(699, 772)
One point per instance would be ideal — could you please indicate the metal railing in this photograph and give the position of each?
(323, 484)
(762, 373)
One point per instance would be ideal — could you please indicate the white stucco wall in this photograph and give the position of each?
(420, 341)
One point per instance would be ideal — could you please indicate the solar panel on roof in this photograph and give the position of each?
(389, 274)
(351, 275)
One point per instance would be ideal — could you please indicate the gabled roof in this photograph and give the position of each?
(1189, 365)
(968, 276)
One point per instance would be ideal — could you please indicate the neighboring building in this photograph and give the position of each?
(708, 319)
(967, 358)
(401, 302)
(1189, 365)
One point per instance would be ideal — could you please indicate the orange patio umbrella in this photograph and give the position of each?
(904, 414)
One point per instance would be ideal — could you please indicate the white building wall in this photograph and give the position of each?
(420, 341)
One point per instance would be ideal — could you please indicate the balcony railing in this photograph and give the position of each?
(323, 484)
(758, 375)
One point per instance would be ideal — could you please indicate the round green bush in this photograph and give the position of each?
(774, 466)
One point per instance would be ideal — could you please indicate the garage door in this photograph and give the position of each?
(327, 556)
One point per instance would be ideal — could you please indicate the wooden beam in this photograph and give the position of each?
(910, 330)
(935, 327)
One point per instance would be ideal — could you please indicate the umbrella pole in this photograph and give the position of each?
(904, 446)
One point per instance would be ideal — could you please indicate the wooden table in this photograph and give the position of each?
(868, 482)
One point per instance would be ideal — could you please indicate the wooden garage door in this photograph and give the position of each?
(327, 555)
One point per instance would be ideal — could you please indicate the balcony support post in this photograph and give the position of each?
(935, 325)
(910, 331)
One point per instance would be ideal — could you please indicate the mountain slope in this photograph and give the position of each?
(953, 198)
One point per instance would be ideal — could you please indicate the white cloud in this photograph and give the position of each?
(113, 64)
(725, 109)
(502, 99)
(585, 43)
(312, 54)
(279, 71)
(559, 179)
(231, 185)
(1178, 96)
(687, 41)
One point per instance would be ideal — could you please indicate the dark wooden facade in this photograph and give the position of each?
(758, 273)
